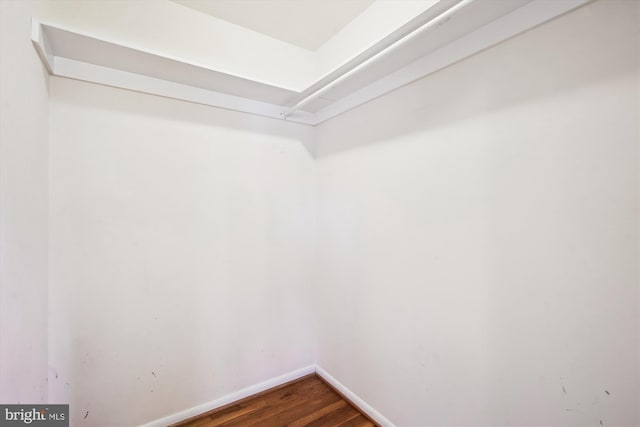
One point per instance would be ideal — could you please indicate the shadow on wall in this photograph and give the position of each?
(574, 56)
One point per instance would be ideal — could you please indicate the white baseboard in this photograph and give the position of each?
(265, 385)
(354, 398)
(229, 398)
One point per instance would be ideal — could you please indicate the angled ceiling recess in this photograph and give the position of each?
(436, 34)
(305, 23)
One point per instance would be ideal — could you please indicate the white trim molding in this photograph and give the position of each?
(266, 385)
(354, 398)
(230, 398)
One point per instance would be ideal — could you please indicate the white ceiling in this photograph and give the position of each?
(305, 23)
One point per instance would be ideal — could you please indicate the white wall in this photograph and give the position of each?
(23, 210)
(181, 247)
(478, 252)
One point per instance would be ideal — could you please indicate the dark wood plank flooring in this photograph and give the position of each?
(307, 401)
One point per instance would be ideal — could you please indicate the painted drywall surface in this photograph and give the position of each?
(23, 209)
(180, 250)
(171, 29)
(478, 252)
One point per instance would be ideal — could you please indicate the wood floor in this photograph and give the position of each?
(308, 401)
